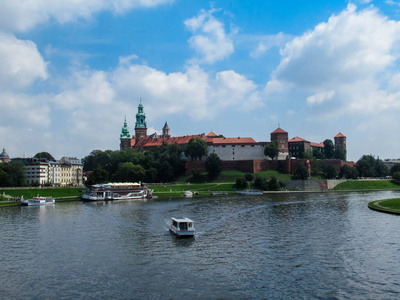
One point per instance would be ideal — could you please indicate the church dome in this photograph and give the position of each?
(4, 156)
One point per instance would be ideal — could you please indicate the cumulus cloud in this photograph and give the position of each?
(346, 56)
(210, 40)
(21, 15)
(85, 89)
(21, 63)
(268, 42)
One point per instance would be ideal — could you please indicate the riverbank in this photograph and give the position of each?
(391, 206)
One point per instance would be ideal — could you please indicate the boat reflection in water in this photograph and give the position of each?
(116, 191)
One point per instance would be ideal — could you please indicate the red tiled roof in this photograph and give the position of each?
(279, 130)
(297, 139)
(321, 145)
(229, 141)
(180, 140)
(211, 134)
(340, 135)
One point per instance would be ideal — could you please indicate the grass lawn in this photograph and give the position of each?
(389, 205)
(231, 176)
(45, 192)
(367, 185)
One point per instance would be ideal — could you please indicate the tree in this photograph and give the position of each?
(395, 168)
(249, 177)
(329, 172)
(348, 172)
(339, 153)
(45, 155)
(317, 154)
(213, 165)
(97, 176)
(366, 166)
(396, 177)
(381, 169)
(271, 150)
(329, 149)
(241, 183)
(301, 173)
(273, 184)
(196, 148)
(129, 172)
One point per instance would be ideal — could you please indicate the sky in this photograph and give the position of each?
(71, 71)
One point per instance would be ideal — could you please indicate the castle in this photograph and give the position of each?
(240, 153)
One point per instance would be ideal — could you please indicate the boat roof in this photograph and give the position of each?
(182, 219)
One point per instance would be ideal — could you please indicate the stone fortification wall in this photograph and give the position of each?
(311, 185)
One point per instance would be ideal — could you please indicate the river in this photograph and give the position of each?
(275, 246)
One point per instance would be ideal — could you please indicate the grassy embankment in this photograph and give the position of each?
(224, 183)
(366, 185)
(60, 194)
(390, 206)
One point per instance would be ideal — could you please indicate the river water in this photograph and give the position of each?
(278, 246)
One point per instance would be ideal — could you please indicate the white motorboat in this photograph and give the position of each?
(188, 194)
(182, 227)
(38, 201)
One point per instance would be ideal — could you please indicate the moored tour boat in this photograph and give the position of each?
(182, 227)
(38, 201)
(116, 191)
(188, 194)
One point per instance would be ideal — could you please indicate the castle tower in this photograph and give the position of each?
(125, 137)
(140, 125)
(166, 131)
(340, 141)
(281, 136)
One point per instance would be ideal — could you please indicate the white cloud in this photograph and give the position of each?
(22, 15)
(21, 63)
(268, 42)
(85, 89)
(210, 40)
(318, 98)
(351, 56)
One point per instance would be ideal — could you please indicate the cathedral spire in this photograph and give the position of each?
(140, 125)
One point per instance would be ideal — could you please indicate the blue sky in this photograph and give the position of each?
(72, 70)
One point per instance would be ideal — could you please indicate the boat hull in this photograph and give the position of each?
(37, 201)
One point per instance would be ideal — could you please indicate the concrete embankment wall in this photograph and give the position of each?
(311, 185)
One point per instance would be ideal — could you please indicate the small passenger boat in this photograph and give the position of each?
(188, 194)
(182, 227)
(38, 201)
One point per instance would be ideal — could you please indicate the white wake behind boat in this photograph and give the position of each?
(182, 227)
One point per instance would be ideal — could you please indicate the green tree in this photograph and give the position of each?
(260, 183)
(396, 177)
(329, 149)
(339, 153)
(348, 172)
(196, 149)
(381, 169)
(366, 166)
(249, 177)
(45, 155)
(301, 172)
(273, 184)
(97, 176)
(213, 165)
(329, 172)
(395, 168)
(241, 183)
(317, 154)
(271, 150)
(128, 172)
